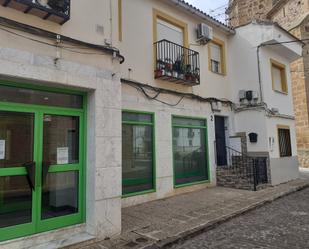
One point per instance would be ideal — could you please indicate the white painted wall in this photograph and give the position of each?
(133, 100)
(253, 121)
(284, 170)
(137, 47)
(274, 99)
(85, 16)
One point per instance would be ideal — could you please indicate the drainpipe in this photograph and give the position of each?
(259, 73)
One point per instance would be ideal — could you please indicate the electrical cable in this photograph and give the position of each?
(144, 87)
(10, 24)
(70, 49)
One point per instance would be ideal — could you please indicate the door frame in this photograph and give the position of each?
(38, 225)
(225, 140)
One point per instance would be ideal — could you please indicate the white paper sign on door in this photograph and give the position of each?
(62, 155)
(2, 149)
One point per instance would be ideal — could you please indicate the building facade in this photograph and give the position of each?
(293, 16)
(155, 82)
(60, 115)
(129, 108)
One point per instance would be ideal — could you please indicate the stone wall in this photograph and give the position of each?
(242, 11)
(300, 74)
(289, 14)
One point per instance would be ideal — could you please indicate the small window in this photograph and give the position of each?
(284, 142)
(279, 81)
(189, 151)
(217, 57)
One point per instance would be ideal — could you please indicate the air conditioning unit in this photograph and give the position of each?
(204, 33)
(242, 95)
(255, 95)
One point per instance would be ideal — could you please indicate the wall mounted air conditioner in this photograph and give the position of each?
(248, 97)
(204, 33)
(242, 95)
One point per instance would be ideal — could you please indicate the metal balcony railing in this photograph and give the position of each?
(176, 63)
(250, 170)
(57, 11)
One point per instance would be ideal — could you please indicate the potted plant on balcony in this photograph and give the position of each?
(160, 69)
(188, 73)
(196, 75)
(176, 68)
(180, 67)
(168, 66)
(58, 5)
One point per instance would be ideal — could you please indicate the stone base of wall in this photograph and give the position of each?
(229, 179)
(303, 158)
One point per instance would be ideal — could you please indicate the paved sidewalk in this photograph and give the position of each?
(159, 223)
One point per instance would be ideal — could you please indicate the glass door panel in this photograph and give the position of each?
(15, 201)
(60, 190)
(16, 138)
(60, 194)
(16, 153)
(61, 140)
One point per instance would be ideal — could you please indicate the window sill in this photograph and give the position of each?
(221, 74)
(191, 184)
(138, 193)
(280, 92)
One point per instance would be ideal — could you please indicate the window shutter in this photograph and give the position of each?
(169, 32)
(216, 52)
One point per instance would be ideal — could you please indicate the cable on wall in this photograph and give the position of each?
(10, 24)
(144, 89)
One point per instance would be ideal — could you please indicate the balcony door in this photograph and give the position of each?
(169, 32)
(41, 167)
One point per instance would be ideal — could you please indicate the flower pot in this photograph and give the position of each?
(159, 73)
(175, 74)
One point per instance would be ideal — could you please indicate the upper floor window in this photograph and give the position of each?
(217, 57)
(174, 60)
(169, 28)
(170, 32)
(278, 74)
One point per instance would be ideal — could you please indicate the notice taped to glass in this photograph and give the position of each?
(2, 149)
(62, 155)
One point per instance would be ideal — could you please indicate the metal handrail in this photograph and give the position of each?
(248, 167)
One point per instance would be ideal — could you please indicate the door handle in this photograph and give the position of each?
(30, 168)
(45, 169)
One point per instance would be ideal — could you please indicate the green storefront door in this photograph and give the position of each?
(41, 161)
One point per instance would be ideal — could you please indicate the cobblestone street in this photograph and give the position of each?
(283, 224)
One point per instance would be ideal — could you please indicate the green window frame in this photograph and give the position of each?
(190, 172)
(138, 121)
(38, 224)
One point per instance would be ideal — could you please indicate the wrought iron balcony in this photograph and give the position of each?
(176, 63)
(57, 11)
